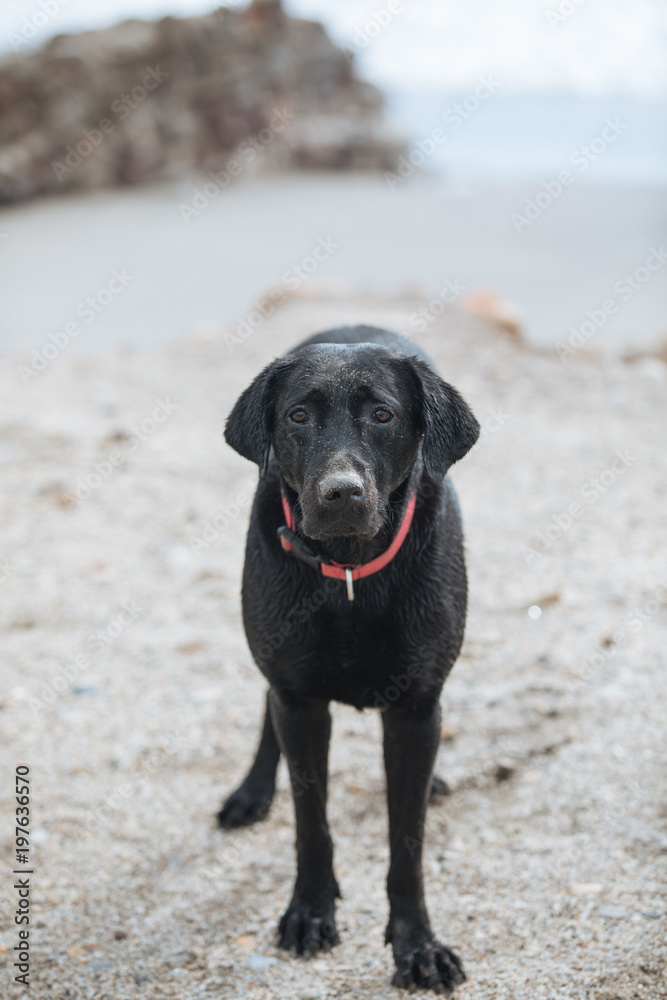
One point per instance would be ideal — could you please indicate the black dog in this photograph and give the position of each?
(354, 590)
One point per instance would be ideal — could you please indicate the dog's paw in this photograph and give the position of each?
(439, 788)
(426, 964)
(245, 806)
(306, 929)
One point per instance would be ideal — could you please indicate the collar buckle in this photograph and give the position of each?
(298, 548)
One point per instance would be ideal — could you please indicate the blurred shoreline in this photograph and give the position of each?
(407, 236)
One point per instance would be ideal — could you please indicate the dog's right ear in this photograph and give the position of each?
(250, 424)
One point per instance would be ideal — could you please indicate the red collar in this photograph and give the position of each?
(291, 542)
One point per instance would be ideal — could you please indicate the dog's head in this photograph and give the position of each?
(345, 422)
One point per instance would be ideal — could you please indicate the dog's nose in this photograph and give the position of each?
(341, 491)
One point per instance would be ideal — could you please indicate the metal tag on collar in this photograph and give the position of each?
(350, 587)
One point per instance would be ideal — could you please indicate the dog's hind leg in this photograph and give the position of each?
(252, 799)
(439, 788)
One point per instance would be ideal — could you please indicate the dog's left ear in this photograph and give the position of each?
(449, 425)
(250, 424)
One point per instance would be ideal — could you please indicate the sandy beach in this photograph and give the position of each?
(128, 689)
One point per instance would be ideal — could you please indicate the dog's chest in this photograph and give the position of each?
(344, 653)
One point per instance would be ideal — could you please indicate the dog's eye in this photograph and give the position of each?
(299, 416)
(382, 416)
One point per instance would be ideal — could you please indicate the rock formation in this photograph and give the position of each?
(145, 100)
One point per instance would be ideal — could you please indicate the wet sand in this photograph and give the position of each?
(242, 242)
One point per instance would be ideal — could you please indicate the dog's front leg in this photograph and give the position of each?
(411, 738)
(303, 730)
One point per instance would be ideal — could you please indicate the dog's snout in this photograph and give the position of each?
(340, 501)
(341, 491)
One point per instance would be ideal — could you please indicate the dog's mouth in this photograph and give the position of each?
(341, 531)
(323, 528)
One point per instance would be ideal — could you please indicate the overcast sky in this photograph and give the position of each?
(600, 48)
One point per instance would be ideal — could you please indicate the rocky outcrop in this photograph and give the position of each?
(146, 100)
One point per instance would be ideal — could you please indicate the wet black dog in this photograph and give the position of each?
(354, 590)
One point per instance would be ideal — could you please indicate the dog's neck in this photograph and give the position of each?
(353, 550)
